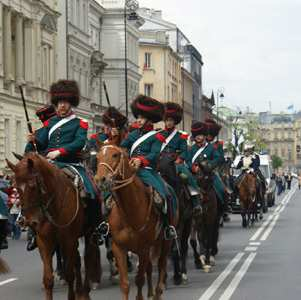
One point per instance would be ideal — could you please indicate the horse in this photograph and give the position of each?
(247, 190)
(135, 222)
(51, 205)
(206, 226)
(168, 171)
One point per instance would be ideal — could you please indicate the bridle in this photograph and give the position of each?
(119, 172)
(44, 208)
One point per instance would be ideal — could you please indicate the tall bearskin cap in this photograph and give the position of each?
(45, 113)
(113, 118)
(174, 111)
(65, 90)
(148, 107)
(199, 128)
(213, 127)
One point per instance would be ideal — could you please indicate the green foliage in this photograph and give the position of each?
(276, 162)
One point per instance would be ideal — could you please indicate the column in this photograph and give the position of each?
(7, 44)
(19, 49)
(1, 40)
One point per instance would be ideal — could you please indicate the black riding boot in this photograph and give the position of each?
(31, 240)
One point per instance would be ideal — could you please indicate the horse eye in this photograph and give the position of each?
(115, 155)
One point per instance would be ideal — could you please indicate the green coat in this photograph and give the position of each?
(214, 158)
(69, 138)
(100, 137)
(149, 153)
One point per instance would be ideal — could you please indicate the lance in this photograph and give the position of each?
(108, 99)
(29, 126)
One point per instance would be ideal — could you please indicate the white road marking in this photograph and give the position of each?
(237, 278)
(221, 278)
(270, 228)
(7, 281)
(261, 228)
(254, 243)
(251, 249)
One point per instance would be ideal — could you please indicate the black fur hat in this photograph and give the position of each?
(213, 127)
(174, 111)
(113, 118)
(45, 113)
(199, 128)
(65, 90)
(148, 107)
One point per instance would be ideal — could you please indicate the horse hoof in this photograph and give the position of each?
(184, 278)
(207, 268)
(198, 264)
(177, 280)
(95, 286)
(203, 260)
(212, 261)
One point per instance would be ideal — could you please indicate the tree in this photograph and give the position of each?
(276, 162)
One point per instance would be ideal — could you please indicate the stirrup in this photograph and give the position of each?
(170, 233)
(103, 229)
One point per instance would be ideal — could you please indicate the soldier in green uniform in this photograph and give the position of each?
(176, 146)
(62, 139)
(201, 149)
(144, 146)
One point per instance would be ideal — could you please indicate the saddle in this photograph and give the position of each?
(76, 179)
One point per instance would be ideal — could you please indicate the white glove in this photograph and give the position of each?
(53, 154)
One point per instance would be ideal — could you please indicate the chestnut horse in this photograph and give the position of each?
(135, 223)
(247, 196)
(51, 206)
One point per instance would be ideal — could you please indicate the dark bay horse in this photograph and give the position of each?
(135, 223)
(247, 190)
(207, 225)
(51, 206)
(168, 171)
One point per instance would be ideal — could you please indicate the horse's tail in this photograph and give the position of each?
(3, 267)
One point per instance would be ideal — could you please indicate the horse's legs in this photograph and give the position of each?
(184, 247)
(194, 244)
(59, 263)
(140, 277)
(149, 272)
(78, 275)
(70, 250)
(46, 248)
(121, 257)
(162, 269)
(177, 277)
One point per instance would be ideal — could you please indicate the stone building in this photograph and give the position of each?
(28, 31)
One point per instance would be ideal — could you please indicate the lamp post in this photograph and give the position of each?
(220, 95)
(131, 6)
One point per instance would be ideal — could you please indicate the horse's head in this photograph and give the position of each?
(205, 174)
(167, 168)
(113, 164)
(29, 182)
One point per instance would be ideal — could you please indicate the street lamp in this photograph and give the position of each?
(131, 6)
(220, 95)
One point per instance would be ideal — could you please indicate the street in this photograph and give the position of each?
(258, 263)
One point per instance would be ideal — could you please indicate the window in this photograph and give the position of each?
(148, 90)
(19, 136)
(147, 60)
(6, 138)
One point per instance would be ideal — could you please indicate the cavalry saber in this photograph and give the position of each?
(29, 125)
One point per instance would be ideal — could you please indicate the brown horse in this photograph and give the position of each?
(51, 206)
(135, 223)
(247, 197)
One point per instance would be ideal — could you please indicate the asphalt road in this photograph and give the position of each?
(258, 263)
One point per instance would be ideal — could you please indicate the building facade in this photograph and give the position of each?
(28, 31)
(113, 46)
(187, 95)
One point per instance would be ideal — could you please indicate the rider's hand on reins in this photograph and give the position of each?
(31, 137)
(53, 154)
(135, 163)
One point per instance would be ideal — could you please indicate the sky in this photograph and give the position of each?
(251, 48)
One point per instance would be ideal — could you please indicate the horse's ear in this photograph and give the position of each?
(17, 156)
(11, 165)
(30, 164)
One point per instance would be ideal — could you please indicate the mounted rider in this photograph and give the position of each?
(62, 139)
(250, 161)
(144, 146)
(202, 150)
(176, 146)
(212, 137)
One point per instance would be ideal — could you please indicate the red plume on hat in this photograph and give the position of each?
(149, 108)
(66, 90)
(213, 127)
(174, 111)
(112, 117)
(199, 128)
